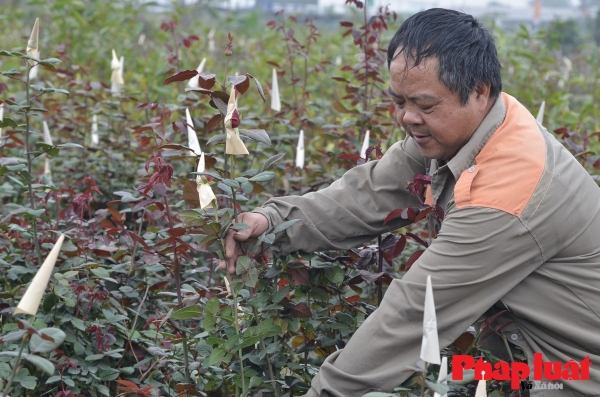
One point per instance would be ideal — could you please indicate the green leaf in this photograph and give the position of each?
(216, 355)
(50, 62)
(7, 53)
(70, 145)
(257, 135)
(103, 389)
(335, 275)
(8, 122)
(100, 272)
(59, 91)
(11, 337)
(192, 218)
(36, 87)
(438, 387)
(279, 295)
(187, 312)
(272, 161)
(39, 345)
(53, 379)
(285, 225)
(263, 176)
(94, 357)
(212, 306)
(231, 183)
(40, 362)
(216, 138)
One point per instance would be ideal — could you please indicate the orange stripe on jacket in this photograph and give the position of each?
(508, 168)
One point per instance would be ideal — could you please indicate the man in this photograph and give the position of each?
(521, 225)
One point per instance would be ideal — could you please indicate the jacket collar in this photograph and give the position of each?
(466, 155)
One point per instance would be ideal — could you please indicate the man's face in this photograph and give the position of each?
(431, 114)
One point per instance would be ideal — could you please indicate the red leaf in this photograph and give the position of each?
(398, 248)
(301, 311)
(490, 320)
(213, 122)
(299, 275)
(464, 341)
(423, 214)
(392, 215)
(137, 238)
(352, 299)
(417, 239)
(176, 232)
(187, 43)
(181, 76)
(413, 258)
(351, 157)
(206, 80)
(346, 24)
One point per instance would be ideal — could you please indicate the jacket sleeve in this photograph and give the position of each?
(479, 255)
(352, 209)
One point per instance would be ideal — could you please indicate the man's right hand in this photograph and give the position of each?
(235, 238)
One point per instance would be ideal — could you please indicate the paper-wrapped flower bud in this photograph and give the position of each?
(32, 44)
(235, 119)
(30, 301)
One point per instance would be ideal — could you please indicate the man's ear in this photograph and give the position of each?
(483, 89)
(482, 95)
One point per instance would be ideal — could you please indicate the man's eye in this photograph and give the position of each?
(425, 107)
(399, 105)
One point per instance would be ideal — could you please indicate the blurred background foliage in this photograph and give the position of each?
(114, 292)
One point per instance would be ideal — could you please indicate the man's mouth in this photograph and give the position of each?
(420, 139)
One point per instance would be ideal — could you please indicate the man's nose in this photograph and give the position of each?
(411, 118)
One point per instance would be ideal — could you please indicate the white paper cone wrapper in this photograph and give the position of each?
(121, 66)
(275, 101)
(430, 347)
(47, 137)
(201, 168)
(211, 40)
(233, 143)
(205, 192)
(365, 145)
(481, 392)
(300, 151)
(47, 170)
(95, 138)
(193, 82)
(442, 376)
(33, 72)
(30, 302)
(116, 77)
(1, 115)
(141, 39)
(192, 137)
(540, 115)
(32, 44)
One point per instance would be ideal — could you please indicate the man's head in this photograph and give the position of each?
(445, 77)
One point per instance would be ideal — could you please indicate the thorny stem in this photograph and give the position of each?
(237, 331)
(366, 82)
(423, 382)
(262, 342)
(14, 371)
(291, 58)
(29, 161)
(178, 287)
